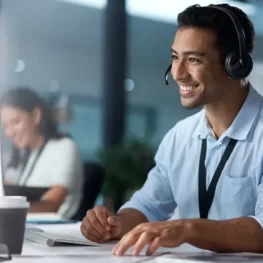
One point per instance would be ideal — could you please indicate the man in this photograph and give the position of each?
(224, 137)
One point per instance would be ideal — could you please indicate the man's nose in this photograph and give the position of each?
(180, 71)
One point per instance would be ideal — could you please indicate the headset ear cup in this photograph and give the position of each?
(235, 69)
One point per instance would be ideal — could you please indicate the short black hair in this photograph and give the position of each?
(221, 23)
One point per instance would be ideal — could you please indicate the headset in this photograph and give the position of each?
(238, 64)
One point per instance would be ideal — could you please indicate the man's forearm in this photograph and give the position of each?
(237, 235)
(130, 218)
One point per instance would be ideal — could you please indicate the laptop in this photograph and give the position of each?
(31, 193)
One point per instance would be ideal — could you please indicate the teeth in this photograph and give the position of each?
(187, 88)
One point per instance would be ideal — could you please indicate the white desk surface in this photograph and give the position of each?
(33, 252)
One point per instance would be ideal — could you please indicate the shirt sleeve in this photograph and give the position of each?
(155, 199)
(259, 204)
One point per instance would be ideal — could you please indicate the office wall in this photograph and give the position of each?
(75, 66)
(65, 48)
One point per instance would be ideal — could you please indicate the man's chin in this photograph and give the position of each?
(189, 105)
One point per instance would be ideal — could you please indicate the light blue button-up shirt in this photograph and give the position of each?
(173, 182)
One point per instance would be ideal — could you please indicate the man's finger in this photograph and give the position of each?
(153, 246)
(83, 231)
(102, 215)
(125, 244)
(144, 239)
(95, 223)
(87, 235)
(114, 221)
(92, 230)
(117, 245)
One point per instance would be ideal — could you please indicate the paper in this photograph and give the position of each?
(210, 257)
(80, 259)
(72, 228)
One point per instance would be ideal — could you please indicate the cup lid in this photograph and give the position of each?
(13, 202)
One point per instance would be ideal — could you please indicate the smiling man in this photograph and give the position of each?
(209, 165)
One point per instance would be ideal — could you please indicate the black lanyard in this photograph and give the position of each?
(206, 197)
(32, 166)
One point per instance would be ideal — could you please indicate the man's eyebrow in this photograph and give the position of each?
(192, 52)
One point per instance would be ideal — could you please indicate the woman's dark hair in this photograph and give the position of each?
(26, 99)
(221, 24)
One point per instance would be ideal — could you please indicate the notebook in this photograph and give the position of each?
(54, 239)
(61, 235)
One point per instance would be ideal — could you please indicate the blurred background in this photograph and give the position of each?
(100, 66)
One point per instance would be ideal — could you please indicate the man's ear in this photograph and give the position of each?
(37, 114)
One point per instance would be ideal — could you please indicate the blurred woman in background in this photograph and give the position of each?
(41, 156)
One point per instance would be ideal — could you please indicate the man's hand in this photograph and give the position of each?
(158, 234)
(100, 225)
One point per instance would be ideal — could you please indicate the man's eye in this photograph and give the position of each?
(193, 60)
(174, 57)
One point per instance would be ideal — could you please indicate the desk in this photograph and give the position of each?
(33, 252)
(38, 253)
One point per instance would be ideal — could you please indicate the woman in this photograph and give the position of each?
(41, 155)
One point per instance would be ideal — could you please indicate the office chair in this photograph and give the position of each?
(94, 175)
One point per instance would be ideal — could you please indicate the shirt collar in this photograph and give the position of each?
(203, 128)
(241, 125)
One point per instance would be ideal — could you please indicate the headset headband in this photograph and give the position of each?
(240, 32)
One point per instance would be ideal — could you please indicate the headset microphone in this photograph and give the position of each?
(166, 74)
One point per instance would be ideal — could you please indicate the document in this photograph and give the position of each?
(212, 257)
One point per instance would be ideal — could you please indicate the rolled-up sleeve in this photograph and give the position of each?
(155, 199)
(259, 204)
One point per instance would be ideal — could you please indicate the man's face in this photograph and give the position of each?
(197, 67)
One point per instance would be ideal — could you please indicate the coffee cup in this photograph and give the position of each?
(13, 212)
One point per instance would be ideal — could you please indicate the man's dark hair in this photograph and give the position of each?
(221, 23)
